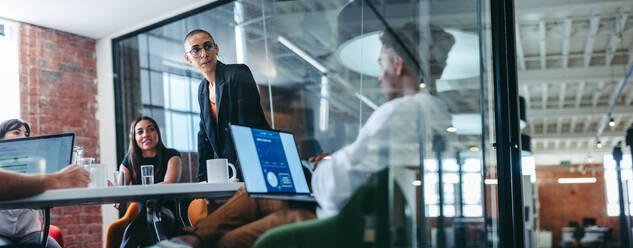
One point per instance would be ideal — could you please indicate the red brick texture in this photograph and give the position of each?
(562, 203)
(58, 91)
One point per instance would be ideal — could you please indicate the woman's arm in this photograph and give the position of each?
(173, 170)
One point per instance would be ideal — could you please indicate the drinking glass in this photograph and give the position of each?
(147, 174)
(78, 153)
(119, 178)
(86, 162)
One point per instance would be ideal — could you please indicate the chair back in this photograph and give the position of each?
(114, 233)
(363, 222)
(197, 210)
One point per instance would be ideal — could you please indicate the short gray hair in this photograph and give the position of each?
(406, 42)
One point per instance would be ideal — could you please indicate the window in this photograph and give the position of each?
(9, 72)
(611, 183)
(471, 188)
(168, 92)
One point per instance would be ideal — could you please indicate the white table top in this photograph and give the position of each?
(96, 196)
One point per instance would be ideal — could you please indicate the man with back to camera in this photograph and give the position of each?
(394, 126)
(399, 126)
(228, 93)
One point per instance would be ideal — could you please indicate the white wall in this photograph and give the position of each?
(575, 158)
(9, 71)
(106, 117)
(105, 114)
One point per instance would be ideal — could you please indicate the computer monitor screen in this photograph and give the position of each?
(269, 160)
(41, 154)
(588, 221)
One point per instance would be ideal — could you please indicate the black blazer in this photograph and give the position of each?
(237, 102)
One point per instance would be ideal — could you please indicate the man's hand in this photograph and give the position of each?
(72, 176)
(316, 159)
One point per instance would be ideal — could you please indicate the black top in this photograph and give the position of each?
(158, 176)
(237, 102)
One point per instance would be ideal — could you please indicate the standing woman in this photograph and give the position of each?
(146, 147)
(20, 226)
(228, 94)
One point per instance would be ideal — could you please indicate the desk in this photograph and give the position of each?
(593, 234)
(98, 196)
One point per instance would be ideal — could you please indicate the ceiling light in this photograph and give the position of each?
(451, 129)
(292, 47)
(473, 149)
(467, 124)
(490, 181)
(422, 85)
(577, 180)
(599, 145)
(416, 182)
(612, 123)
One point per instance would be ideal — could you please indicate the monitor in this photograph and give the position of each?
(41, 154)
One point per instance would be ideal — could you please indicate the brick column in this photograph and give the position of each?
(58, 94)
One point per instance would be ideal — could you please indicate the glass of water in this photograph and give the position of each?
(119, 178)
(86, 162)
(147, 174)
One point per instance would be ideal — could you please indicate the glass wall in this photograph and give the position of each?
(573, 58)
(317, 68)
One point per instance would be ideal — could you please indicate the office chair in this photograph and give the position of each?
(114, 233)
(365, 214)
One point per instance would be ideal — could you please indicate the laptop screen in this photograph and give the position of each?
(269, 161)
(39, 154)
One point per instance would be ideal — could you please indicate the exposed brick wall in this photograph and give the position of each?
(562, 203)
(58, 93)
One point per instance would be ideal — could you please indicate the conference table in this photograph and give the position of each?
(151, 194)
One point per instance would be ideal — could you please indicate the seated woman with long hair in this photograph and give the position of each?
(20, 226)
(147, 148)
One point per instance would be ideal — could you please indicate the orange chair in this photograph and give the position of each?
(197, 210)
(114, 234)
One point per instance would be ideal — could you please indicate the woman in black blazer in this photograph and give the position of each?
(228, 94)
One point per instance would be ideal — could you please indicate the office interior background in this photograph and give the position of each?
(92, 67)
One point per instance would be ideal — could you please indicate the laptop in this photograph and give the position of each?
(270, 164)
(41, 154)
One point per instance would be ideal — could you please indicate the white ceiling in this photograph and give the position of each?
(93, 19)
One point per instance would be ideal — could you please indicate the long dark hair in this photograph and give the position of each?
(13, 124)
(135, 154)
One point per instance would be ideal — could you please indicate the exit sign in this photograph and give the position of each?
(565, 162)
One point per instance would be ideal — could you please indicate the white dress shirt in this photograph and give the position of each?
(16, 223)
(391, 137)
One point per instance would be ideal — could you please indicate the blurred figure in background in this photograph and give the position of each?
(396, 132)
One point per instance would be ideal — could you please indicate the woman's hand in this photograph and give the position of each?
(316, 159)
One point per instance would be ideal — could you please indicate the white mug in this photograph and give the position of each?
(218, 170)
